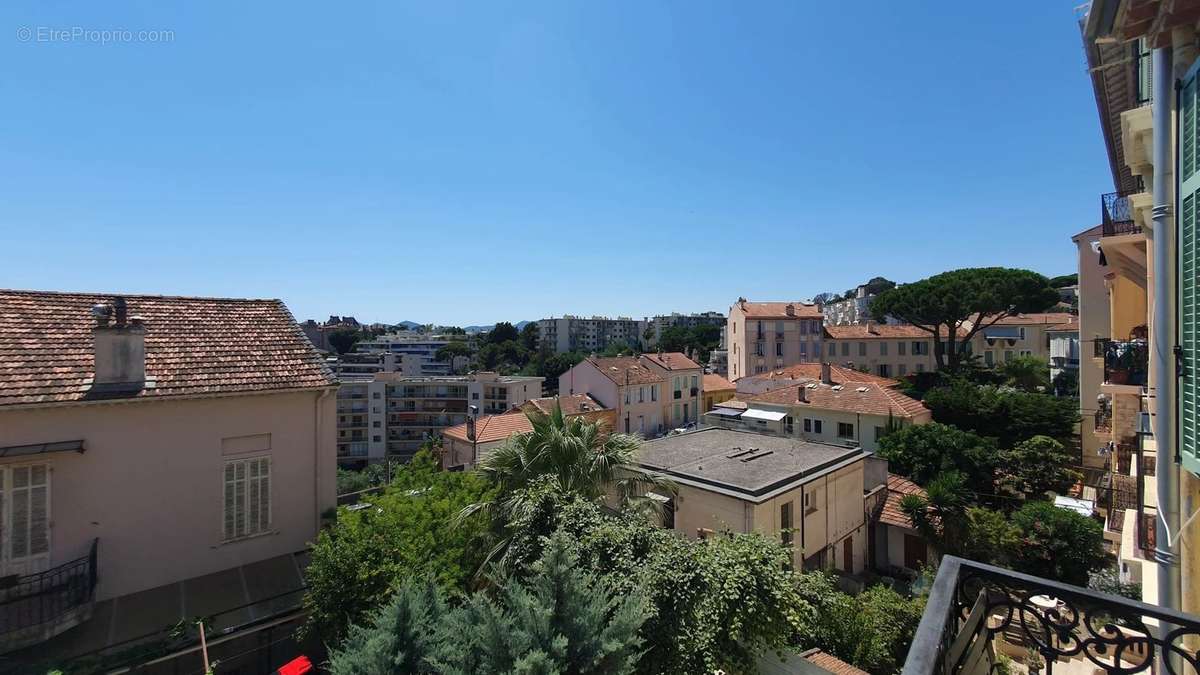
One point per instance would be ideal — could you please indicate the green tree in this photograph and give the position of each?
(530, 335)
(878, 285)
(1036, 467)
(1064, 280)
(357, 562)
(940, 515)
(344, 339)
(1007, 415)
(1057, 543)
(989, 537)
(872, 630)
(576, 456)
(923, 451)
(1066, 384)
(1028, 373)
(715, 603)
(616, 348)
(561, 620)
(373, 475)
(450, 350)
(503, 332)
(964, 302)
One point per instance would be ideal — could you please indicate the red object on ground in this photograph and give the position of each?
(297, 666)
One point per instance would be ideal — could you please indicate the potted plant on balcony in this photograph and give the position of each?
(1034, 661)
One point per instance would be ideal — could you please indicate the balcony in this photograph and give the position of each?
(1117, 214)
(1126, 362)
(36, 607)
(355, 449)
(977, 611)
(1104, 421)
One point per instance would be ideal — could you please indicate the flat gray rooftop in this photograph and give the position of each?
(741, 461)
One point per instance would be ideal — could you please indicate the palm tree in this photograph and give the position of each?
(574, 456)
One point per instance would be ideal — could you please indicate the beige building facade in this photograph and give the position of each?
(881, 349)
(762, 336)
(651, 394)
(127, 441)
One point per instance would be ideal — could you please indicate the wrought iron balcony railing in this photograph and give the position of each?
(1126, 362)
(974, 610)
(29, 603)
(1116, 214)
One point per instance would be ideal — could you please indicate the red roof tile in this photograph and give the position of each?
(626, 370)
(572, 404)
(672, 361)
(879, 332)
(491, 428)
(832, 663)
(867, 398)
(1036, 319)
(897, 488)
(779, 310)
(194, 347)
(812, 371)
(717, 383)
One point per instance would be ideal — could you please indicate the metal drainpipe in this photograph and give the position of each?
(1162, 358)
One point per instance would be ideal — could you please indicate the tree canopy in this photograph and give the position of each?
(343, 340)
(358, 562)
(1057, 543)
(503, 332)
(923, 451)
(964, 301)
(1005, 414)
(699, 340)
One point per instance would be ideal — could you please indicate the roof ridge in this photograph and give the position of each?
(113, 294)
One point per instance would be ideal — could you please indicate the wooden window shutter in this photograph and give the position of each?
(1189, 300)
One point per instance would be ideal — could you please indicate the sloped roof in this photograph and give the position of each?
(717, 383)
(490, 428)
(1047, 318)
(194, 347)
(812, 371)
(867, 398)
(626, 370)
(832, 663)
(779, 310)
(572, 404)
(672, 361)
(897, 488)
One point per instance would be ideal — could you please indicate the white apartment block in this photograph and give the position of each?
(578, 334)
(414, 354)
(392, 414)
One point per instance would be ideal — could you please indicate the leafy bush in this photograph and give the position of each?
(1007, 415)
(923, 451)
(408, 529)
(1057, 543)
(561, 620)
(871, 630)
(1036, 467)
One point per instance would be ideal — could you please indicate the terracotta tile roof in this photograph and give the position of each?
(812, 372)
(717, 383)
(490, 428)
(867, 398)
(1069, 326)
(626, 370)
(1037, 319)
(897, 488)
(880, 332)
(672, 361)
(778, 310)
(832, 663)
(194, 347)
(572, 404)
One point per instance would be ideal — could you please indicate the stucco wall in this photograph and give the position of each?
(150, 484)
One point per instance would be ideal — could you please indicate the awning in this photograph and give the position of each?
(725, 412)
(1083, 507)
(769, 415)
(41, 448)
(1002, 332)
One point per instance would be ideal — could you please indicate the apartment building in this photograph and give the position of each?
(464, 445)
(655, 325)
(160, 454)
(851, 311)
(1143, 58)
(808, 494)
(885, 350)
(579, 334)
(414, 354)
(649, 397)
(392, 414)
(716, 390)
(1019, 335)
(805, 373)
(826, 410)
(762, 336)
(1064, 348)
(1094, 327)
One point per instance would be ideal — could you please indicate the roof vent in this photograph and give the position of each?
(756, 455)
(836, 387)
(861, 390)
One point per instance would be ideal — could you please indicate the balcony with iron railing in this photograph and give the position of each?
(36, 607)
(976, 612)
(1126, 362)
(1117, 214)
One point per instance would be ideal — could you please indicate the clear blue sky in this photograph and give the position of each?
(466, 163)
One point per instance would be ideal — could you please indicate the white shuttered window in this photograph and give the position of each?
(247, 497)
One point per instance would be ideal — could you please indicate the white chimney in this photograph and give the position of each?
(120, 349)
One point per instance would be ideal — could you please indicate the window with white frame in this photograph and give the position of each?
(24, 518)
(247, 497)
